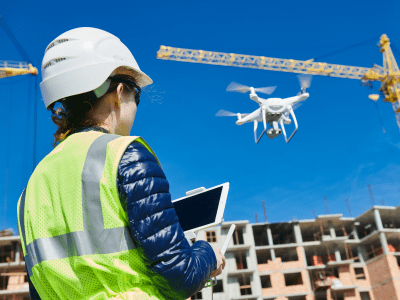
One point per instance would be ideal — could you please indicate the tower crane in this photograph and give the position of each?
(11, 68)
(388, 74)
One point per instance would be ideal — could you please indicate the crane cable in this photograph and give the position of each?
(28, 60)
(347, 48)
(7, 157)
(14, 40)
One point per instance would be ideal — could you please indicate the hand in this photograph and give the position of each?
(220, 262)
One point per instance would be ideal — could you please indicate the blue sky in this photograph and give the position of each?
(338, 150)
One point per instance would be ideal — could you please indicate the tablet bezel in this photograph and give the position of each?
(221, 205)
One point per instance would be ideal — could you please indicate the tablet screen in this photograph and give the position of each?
(198, 210)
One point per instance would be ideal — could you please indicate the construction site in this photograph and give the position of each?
(328, 257)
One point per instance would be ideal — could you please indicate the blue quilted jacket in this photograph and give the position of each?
(144, 193)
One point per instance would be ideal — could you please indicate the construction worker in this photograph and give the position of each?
(96, 218)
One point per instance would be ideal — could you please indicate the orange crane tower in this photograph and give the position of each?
(388, 75)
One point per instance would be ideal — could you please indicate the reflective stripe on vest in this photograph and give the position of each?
(94, 239)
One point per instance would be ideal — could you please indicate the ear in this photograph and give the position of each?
(119, 91)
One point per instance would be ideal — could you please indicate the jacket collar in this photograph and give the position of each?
(90, 128)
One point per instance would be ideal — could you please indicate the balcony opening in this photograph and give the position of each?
(238, 236)
(263, 256)
(244, 285)
(365, 296)
(241, 263)
(197, 296)
(260, 235)
(211, 236)
(282, 233)
(293, 279)
(359, 273)
(265, 281)
(218, 288)
(287, 255)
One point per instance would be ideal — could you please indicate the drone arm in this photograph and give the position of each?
(253, 95)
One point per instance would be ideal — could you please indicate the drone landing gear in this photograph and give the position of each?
(255, 132)
(295, 124)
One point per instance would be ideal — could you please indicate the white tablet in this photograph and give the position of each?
(202, 210)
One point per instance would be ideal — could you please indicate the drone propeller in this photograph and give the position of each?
(225, 113)
(237, 87)
(305, 82)
(297, 105)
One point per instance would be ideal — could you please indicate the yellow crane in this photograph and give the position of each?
(388, 74)
(12, 68)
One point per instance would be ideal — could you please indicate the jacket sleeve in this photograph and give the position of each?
(144, 193)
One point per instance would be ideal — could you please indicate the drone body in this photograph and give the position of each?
(272, 111)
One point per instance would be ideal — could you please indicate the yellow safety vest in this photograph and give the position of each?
(74, 231)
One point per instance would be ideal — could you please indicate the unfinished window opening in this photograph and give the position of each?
(353, 254)
(321, 295)
(241, 262)
(293, 279)
(308, 231)
(260, 235)
(398, 260)
(287, 255)
(244, 285)
(263, 256)
(211, 236)
(197, 296)
(282, 233)
(218, 288)
(265, 281)
(3, 281)
(238, 236)
(359, 273)
(365, 296)
(297, 298)
(5, 254)
(366, 228)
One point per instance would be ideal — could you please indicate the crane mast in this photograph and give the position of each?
(388, 75)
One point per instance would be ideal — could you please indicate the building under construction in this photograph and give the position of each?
(331, 257)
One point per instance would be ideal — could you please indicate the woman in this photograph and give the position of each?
(96, 218)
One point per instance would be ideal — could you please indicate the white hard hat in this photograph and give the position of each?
(80, 60)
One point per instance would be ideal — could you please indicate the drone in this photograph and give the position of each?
(272, 111)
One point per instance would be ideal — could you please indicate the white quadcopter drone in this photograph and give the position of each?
(272, 110)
